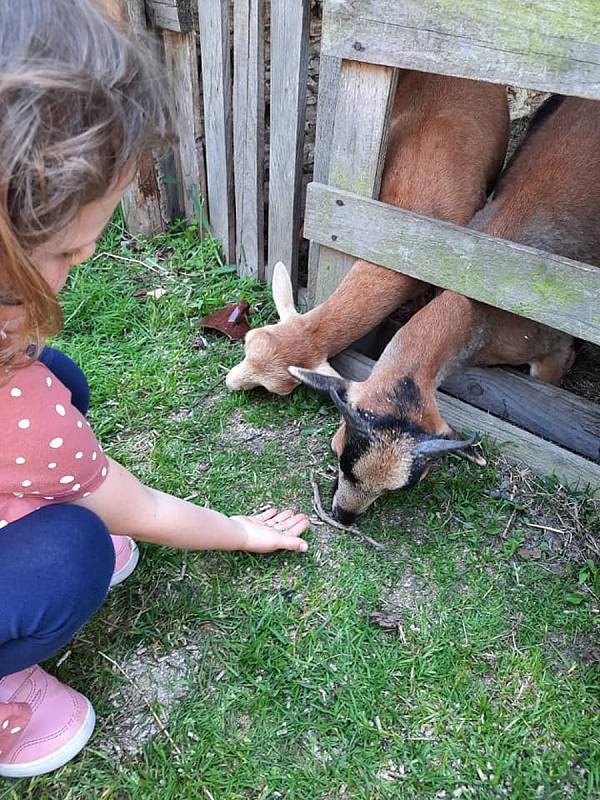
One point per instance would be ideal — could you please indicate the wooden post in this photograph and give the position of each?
(181, 59)
(171, 15)
(145, 204)
(330, 69)
(248, 135)
(289, 67)
(357, 151)
(216, 82)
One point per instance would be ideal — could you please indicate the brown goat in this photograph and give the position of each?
(447, 141)
(392, 430)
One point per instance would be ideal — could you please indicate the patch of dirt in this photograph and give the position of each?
(574, 650)
(241, 435)
(158, 680)
(563, 525)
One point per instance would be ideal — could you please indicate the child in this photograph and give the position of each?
(79, 105)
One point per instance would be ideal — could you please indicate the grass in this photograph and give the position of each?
(268, 673)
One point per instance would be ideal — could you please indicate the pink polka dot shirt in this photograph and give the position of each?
(48, 453)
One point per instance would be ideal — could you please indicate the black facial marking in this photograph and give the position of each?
(355, 446)
(407, 399)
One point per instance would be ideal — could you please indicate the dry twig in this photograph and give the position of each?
(159, 721)
(322, 514)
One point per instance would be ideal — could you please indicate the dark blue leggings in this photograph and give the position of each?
(55, 564)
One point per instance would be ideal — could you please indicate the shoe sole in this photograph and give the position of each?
(127, 568)
(58, 759)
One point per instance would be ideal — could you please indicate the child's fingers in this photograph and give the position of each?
(264, 516)
(295, 525)
(293, 543)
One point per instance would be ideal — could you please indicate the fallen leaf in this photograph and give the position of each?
(231, 320)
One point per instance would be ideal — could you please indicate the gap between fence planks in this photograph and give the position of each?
(550, 289)
(248, 135)
(357, 154)
(289, 70)
(215, 51)
(550, 45)
(544, 458)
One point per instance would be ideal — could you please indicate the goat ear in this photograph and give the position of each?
(325, 368)
(436, 448)
(283, 292)
(321, 381)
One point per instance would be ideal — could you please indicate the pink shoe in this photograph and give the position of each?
(56, 723)
(126, 558)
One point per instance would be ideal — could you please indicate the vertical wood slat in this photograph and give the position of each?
(248, 135)
(289, 70)
(330, 69)
(171, 15)
(357, 150)
(181, 60)
(145, 206)
(216, 80)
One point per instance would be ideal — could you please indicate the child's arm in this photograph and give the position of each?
(127, 507)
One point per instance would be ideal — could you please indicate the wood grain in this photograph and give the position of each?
(181, 59)
(330, 69)
(289, 68)
(544, 458)
(171, 15)
(145, 203)
(549, 289)
(357, 150)
(550, 45)
(248, 135)
(215, 49)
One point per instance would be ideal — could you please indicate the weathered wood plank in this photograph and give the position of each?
(248, 135)
(289, 68)
(329, 80)
(215, 50)
(171, 15)
(547, 411)
(181, 60)
(145, 202)
(551, 45)
(553, 290)
(357, 149)
(544, 458)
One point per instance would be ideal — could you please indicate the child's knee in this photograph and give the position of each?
(66, 551)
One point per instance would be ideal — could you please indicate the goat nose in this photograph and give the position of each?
(343, 516)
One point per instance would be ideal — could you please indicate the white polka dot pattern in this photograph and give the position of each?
(49, 454)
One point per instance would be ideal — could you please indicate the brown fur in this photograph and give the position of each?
(447, 142)
(550, 195)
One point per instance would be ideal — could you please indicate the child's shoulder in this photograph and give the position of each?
(30, 385)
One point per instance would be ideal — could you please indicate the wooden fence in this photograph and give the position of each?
(216, 171)
(214, 51)
(543, 44)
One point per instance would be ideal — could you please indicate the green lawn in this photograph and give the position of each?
(268, 674)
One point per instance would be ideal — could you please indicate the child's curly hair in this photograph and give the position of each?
(80, 102)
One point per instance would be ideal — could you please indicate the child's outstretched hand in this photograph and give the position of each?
(274, 530)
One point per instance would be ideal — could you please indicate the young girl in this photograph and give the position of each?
(79, 105)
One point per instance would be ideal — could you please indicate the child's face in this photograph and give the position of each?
(77, 242)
